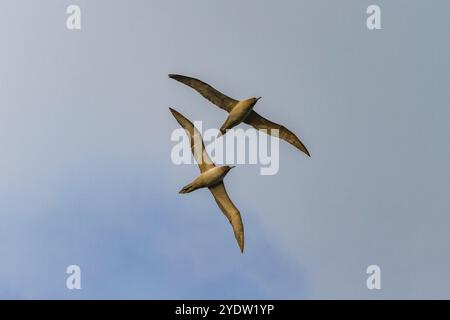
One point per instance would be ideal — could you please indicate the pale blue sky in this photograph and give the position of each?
(85, 179)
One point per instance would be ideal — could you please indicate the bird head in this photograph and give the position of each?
(228, 168)
(255, 100)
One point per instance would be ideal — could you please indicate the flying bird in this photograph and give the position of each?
(240, 111)
(211, 177)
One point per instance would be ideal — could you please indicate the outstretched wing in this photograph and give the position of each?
(259, 122)
(197, 146)
(230, 211)
(208, 92)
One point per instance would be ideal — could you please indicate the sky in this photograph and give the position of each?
(86, 176)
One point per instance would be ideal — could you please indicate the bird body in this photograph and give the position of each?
(243, 113)
(207, 179)
(238, 114)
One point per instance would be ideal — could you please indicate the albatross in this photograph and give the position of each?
(211, 177)
(240, 111)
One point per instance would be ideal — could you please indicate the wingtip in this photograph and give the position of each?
(240, 242)
(300, 146)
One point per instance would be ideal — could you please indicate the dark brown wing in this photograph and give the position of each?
(259, 122)
(197, 146)
(230, 211)
(208, 92)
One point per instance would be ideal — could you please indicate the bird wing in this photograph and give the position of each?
(208, 92)
(197, 146)
(230, 211)
(259, 122)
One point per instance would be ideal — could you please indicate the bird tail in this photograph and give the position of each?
(189, 188)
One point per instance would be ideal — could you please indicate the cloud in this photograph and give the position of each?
(87, 177)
